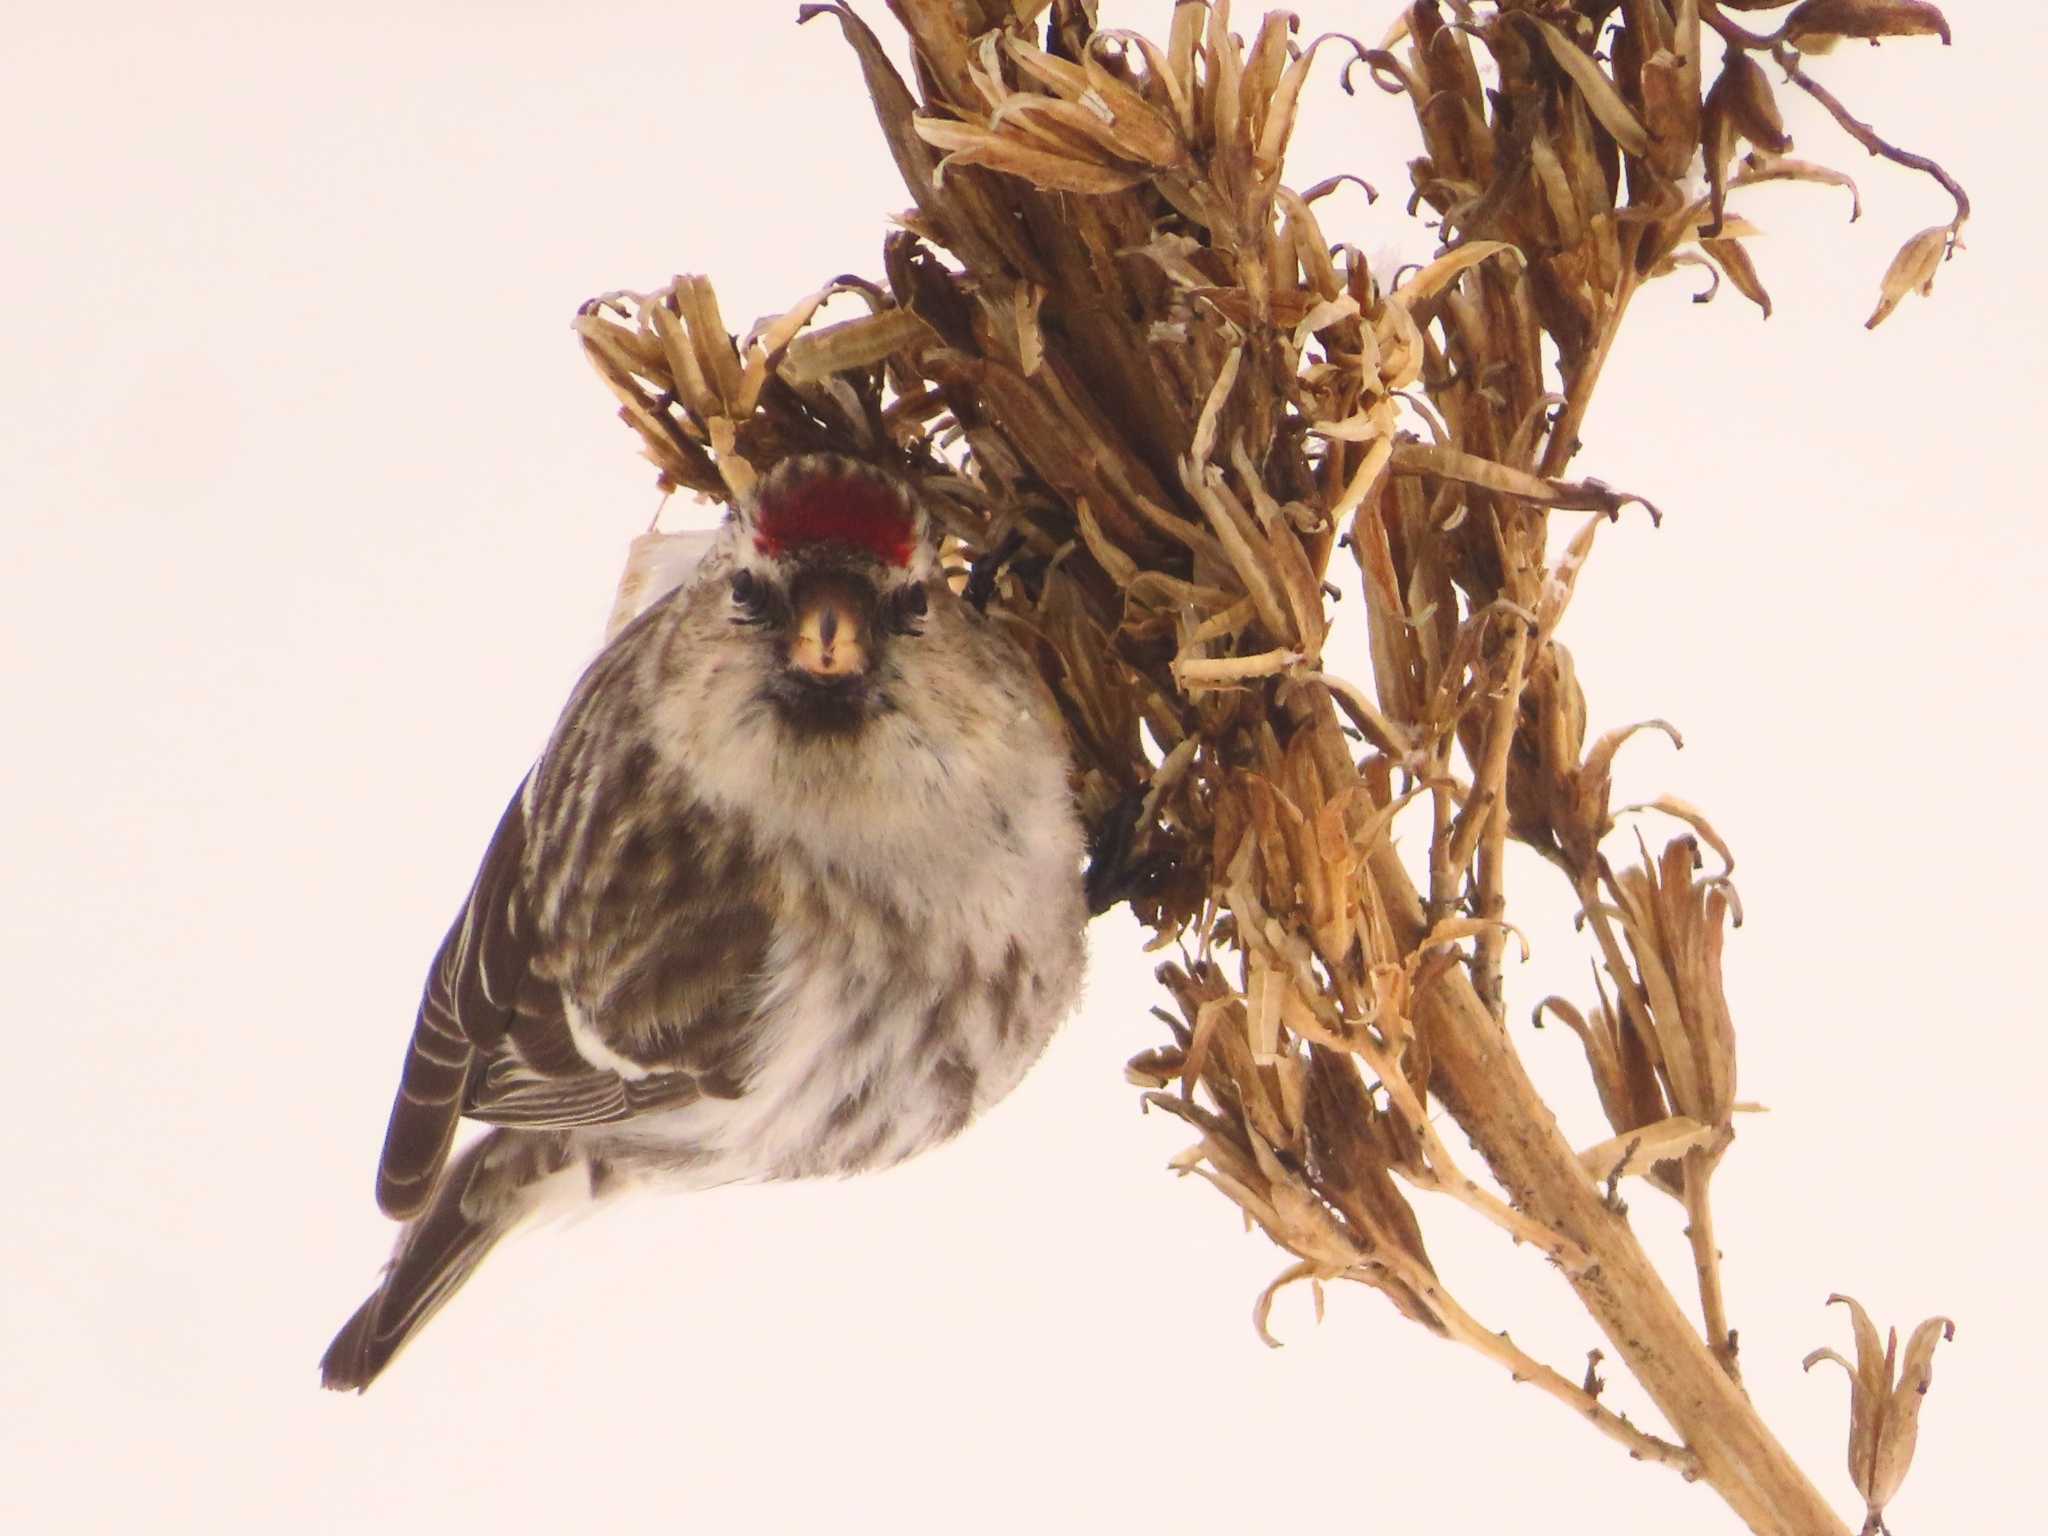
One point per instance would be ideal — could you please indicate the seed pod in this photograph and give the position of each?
(1744, 92)
(1717, 148)
(1734, 260)
(1814, 19)
(1671, 111)
(1914, 267)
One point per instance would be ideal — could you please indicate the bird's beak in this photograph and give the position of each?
(829, 640)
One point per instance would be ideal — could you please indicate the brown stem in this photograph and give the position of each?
(1492, 902)
(1564, 432)
(1731, 29)
(1481, 1079)
(1489, 776)
(1503, 1351)
(1443, 877)
(1706, 1258)
(1443, 1176)
(1867, 136)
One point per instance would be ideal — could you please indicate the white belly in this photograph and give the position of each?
(868, 1050)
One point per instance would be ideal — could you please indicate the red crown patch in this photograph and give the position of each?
(831, 504)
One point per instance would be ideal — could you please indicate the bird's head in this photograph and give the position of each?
(833, 568)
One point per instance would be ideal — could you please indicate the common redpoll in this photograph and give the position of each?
(795, 889)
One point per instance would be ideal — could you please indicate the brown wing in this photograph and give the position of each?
(457, 1009)
(608, 891)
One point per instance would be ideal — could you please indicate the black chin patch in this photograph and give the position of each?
(819, 708)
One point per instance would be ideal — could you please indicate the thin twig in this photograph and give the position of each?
(1443, 880)
(1489, 781)
(1563, 441)
(1706, 1258)
(1733, 30)
(1867, 136)
(1523, 1366)
(1487, 823)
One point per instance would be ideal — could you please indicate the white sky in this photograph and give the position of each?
(314, 512)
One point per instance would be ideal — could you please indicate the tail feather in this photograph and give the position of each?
(478, 1199)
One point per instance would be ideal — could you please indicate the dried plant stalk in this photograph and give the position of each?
(1134, 377)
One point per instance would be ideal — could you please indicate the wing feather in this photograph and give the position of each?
(456, 1015)
(609, 894)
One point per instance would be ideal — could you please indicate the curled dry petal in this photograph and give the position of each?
(1280, 112)
(1588, 817)
(1690, 814)
(1262, 1309)
(1452, 929)
(1759, 165)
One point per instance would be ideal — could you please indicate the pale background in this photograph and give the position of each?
(312, 514)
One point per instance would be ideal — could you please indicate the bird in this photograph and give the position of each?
(794, 890)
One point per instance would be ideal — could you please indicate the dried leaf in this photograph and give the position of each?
(1453, 464)
(855, 343)
(1200, 672)
(1637, 1152)
(1121, 568)
(1263, 1307)
(969, 145)
(1439, 274)
(1671, 110)
(1615, 114)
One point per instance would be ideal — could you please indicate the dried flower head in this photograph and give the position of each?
(1152, 401)
(1885, 1396)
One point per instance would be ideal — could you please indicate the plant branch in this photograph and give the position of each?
(1479, 1076)
(1110, 331)
(1492, 900)
(1868, 136)
(1706, 1258)
(1503, 1351)
(1733, 30)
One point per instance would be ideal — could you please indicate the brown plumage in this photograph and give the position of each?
(756, 913)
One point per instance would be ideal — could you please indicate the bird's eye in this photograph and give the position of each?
(906, 609)
(751, 596)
